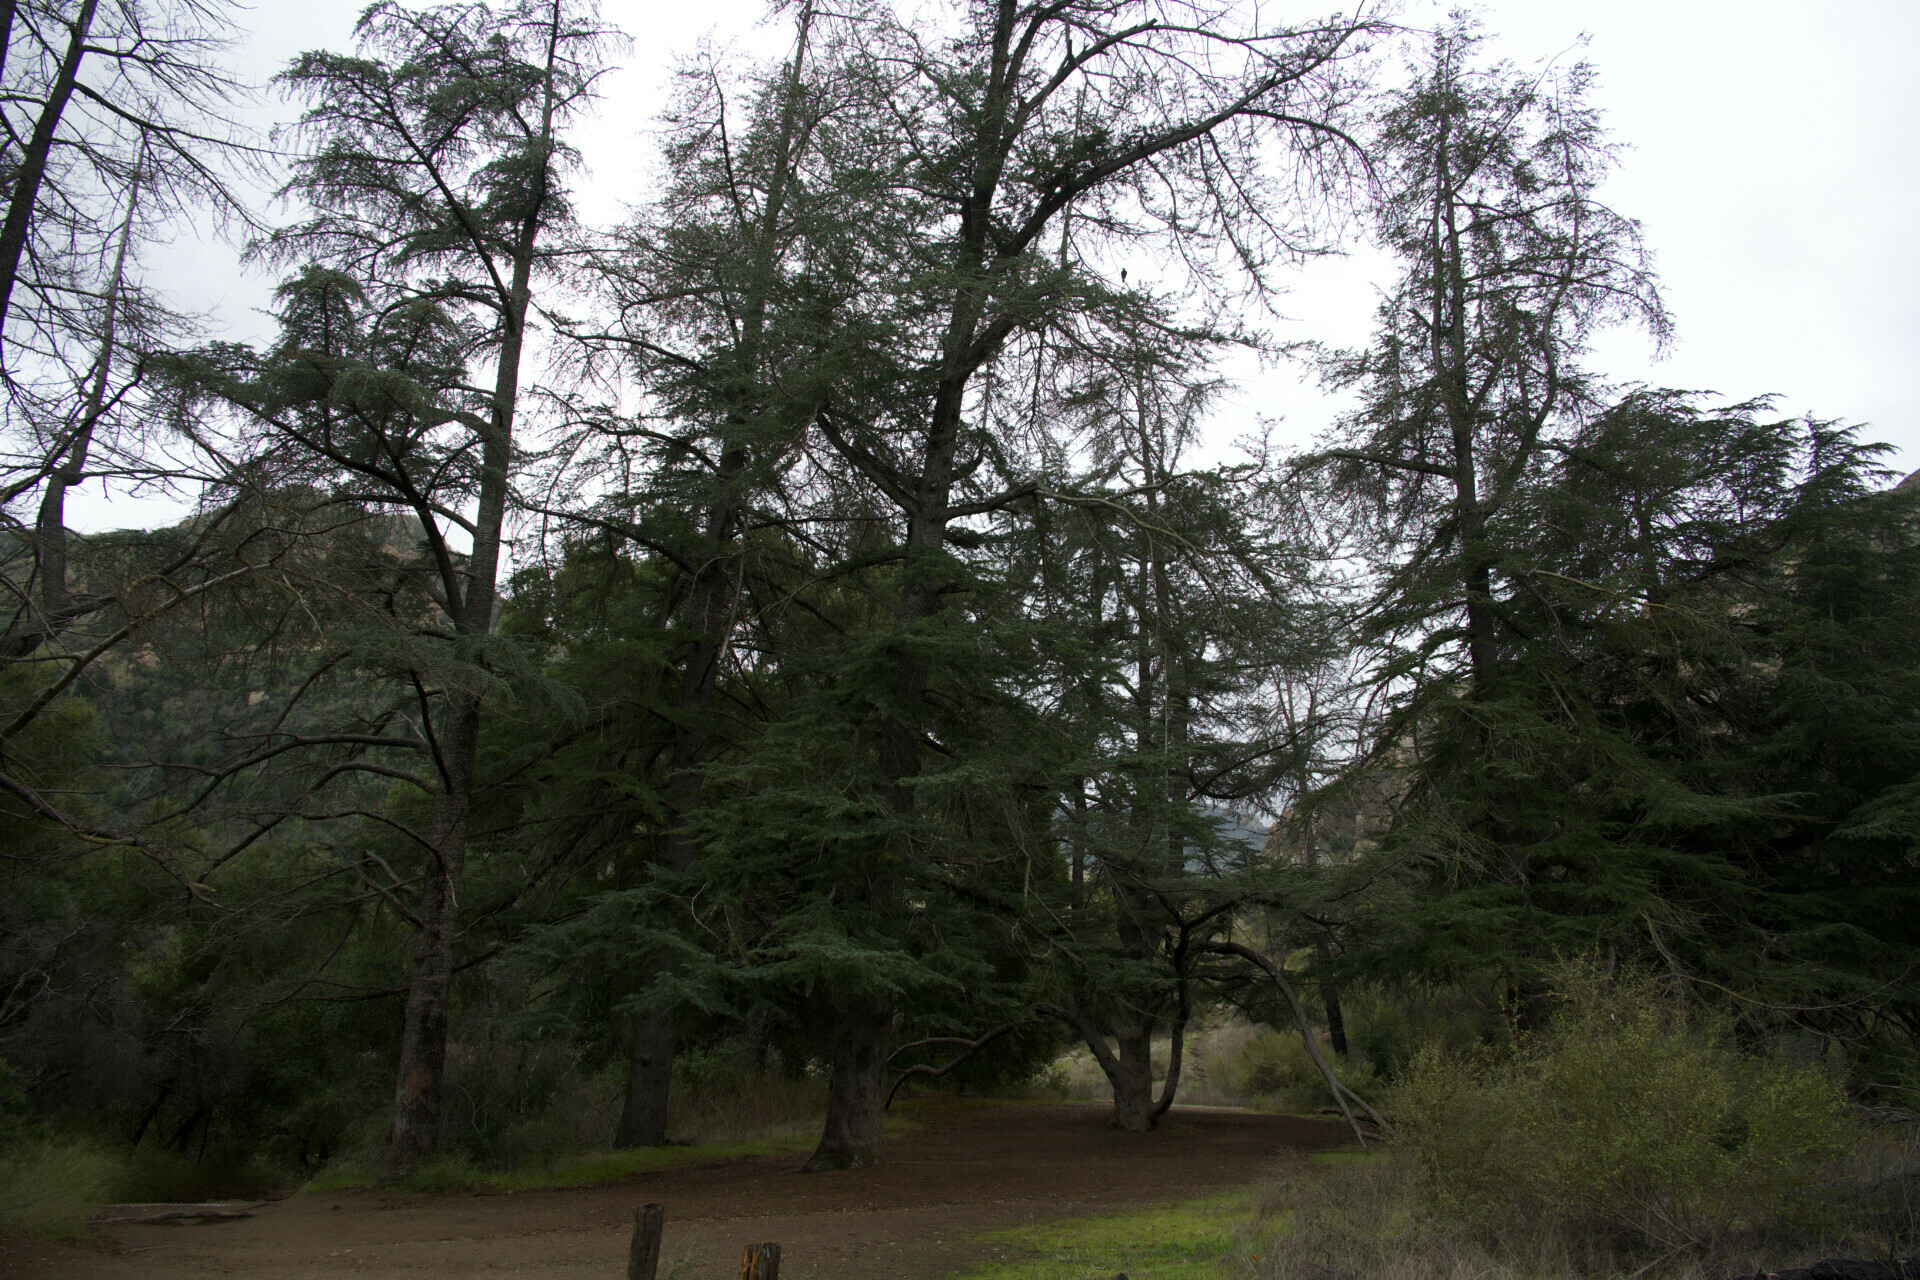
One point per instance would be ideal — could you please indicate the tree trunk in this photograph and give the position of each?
(1132, 1078)
(1336, 1022)
(643, 1116)
(423, 1036)
(1330, 997)
(1176, 1040)
(1341, 1094)
(7, 10)
(50, 526)
(643, 1120)
(857, 1090)
(32, 170)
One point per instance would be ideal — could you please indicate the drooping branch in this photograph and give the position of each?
(1339, 1091)
(971, 1047)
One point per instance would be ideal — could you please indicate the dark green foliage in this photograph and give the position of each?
(877, 669)
(1697, 744)
(1649, 664)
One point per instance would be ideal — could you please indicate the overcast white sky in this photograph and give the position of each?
(1772, 161)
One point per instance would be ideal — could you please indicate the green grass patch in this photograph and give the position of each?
(1185, 1241)
(586, 1169)
(451, 1173)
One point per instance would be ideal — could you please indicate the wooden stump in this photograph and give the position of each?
(643, 1255)
(760, 1262)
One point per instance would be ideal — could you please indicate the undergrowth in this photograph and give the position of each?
(1632, 1124)
(1632, 1138)
(49, 1185)
(459, 1172)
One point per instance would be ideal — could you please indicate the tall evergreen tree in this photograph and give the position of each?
(719, 308)
(434, 163)
(1660, 757)
(1487, 197)
(1127, 126)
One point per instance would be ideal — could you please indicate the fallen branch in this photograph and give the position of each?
(215, 1212)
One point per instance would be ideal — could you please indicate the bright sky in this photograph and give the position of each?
(1772, 161)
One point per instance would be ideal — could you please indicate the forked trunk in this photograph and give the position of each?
(1129, 1071)
(857, 1091)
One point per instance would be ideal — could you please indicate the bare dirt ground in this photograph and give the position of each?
(961, 1171)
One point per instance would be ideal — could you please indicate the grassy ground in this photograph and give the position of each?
(1194, 1240)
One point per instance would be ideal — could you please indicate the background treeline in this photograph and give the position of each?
(806, 633)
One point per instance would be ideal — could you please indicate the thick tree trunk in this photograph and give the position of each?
(857, 1090)
(850, 1137)
(1129, 1071)
(1132, 1076)
(423, 1037)
(643, 1120)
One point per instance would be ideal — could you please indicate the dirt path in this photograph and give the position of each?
(963, 1170)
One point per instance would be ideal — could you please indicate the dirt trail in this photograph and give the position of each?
(961, 1171)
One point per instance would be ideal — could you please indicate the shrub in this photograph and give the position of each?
(1628, 1118)
(1365, 1216)
(1275, 1068)
(49, 1185)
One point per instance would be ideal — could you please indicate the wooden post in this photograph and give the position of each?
(643, 1255)
(760, 1262)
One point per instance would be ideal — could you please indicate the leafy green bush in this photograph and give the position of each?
(1275, 1069)
(49, 1185)
(1628, 1117)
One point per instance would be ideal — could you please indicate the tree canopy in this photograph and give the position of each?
(811, 625)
